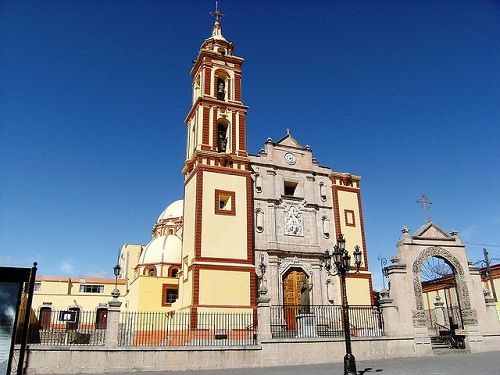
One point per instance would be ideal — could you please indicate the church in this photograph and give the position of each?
(277, 210)
(252, 239)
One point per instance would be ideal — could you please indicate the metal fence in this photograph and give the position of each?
(451, 316)
(65, 327)
(288, 321)
(181, 328)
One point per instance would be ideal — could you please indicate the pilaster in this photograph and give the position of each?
(113, 323)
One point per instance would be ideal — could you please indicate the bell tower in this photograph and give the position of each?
(217, 252)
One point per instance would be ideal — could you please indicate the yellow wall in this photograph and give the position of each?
(224, 236)
(353, 235)
(60, 295)
(188, 241)
(188, 233)
(224, 288)
(358, 291)
(129, 256)
(146, 293)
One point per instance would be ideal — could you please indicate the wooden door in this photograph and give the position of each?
(291, 296)
(101, 320)
(45, 317)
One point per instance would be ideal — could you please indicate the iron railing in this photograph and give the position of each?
(289, 321)
(451, 315)
(182, 328)
(65, 327)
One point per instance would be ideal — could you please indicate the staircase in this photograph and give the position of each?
(442, 345)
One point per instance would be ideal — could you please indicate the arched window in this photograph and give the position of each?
(221, 88)
(221, 85)
(174, 272)
(222, 136)
(151, 271)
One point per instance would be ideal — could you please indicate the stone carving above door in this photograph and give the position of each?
(294, 223)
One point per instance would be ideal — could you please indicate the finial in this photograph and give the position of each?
(425, 203)
(217, 14)
(287, 131)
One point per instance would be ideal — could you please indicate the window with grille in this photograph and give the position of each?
(88, 288)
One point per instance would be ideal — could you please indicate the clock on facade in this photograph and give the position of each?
(290, 158)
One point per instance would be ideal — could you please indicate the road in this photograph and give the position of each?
(449, 364)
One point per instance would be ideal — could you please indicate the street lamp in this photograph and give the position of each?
(342, 262)
(116, 270)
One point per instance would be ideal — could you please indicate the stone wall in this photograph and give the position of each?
(66, 360)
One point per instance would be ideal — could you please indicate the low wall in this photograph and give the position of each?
(71, 360)
(491, 342)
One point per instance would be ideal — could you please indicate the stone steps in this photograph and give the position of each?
(441, 346)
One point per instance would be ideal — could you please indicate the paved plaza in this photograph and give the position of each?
(450, 364)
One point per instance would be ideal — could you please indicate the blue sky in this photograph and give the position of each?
(94, 94)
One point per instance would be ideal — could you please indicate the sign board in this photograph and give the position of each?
(11, 284)
(68, 316)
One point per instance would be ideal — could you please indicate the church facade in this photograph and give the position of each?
(279, 208)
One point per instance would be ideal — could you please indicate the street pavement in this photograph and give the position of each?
(448, 364)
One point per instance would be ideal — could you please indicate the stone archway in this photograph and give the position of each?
(469, 315)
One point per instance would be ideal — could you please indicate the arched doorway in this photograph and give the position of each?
(439, 295)
(292, 281)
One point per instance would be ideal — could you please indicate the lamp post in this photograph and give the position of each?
(342, 262)
(116, 270)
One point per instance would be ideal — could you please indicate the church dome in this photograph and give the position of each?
(164, 249)
(174, 210)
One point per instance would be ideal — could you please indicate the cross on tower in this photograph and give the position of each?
(217, 14)
(425, 203)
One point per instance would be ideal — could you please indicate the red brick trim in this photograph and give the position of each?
(336, 215)
(198, 212)
(228, 306)
(206, 126)
(214, 129)
(361, 221)
(196, 284)
(232, 197)
(237, 87)
(235, 172)
(208, 79)
(233, 134)
(207, 101)
(348, 222)
(225, 260)
(346, 188)
(242, 133)
(336, 212)
(164, 293)
(228, 89)
(220, 267)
